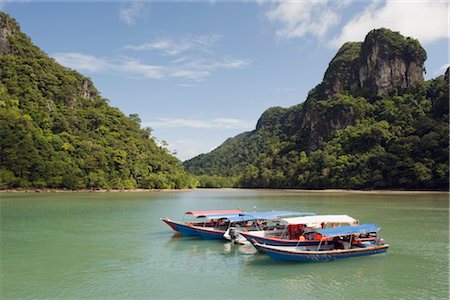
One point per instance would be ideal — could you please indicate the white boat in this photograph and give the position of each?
(297, 229)
(261, 222)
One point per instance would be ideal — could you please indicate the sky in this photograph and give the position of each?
(199, 72)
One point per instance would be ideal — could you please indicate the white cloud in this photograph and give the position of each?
(191, 57)
(225, 63)
(441, 70)
(190, 69)
(187, 85)
(130, 11)
(141, 70)
(191, 74)
(298, 18)
(425, 20)
(174, 46)
(88, 63)
(82, 62)
(187, 67)
(193, 68)
(218, 123)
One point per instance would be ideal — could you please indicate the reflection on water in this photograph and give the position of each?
(247, 249)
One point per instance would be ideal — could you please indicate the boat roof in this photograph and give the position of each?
(216, 217)
(239, 215)
(263, 215)
(274, 214)
(213, 212)
(250, 216)
(319, 219)
(349, 230)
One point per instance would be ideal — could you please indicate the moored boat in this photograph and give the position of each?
(199, 219)
(214, 224)
(347, 244)
(260, 222)
(244, 220)
(298, 230)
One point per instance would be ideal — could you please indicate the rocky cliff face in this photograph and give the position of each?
(385, 62)
(7, 28)
(388, 61)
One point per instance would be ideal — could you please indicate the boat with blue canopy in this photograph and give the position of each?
(249, 221)
(214, 224)
(299, 230)
(204, 218)
(347, 243)
(268, 222)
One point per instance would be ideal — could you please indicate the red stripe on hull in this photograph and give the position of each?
(170, 224)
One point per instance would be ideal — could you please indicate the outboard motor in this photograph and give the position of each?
(233, 234)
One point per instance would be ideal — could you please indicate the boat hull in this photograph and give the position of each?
(192, 230)
(210, 234)
(280, 242)
(183, 228)
(284, 254)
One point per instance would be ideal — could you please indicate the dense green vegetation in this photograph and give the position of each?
(399, 142)
(56, 131)
(352, 139)
(339, 67)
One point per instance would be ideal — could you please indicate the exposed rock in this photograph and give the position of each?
(88, 91)
(386, 61)
(7, 28)
(318, 125)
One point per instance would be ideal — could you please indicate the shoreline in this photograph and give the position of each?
(324, 191)
(89, 191)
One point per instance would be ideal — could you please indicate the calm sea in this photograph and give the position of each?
(113, 246)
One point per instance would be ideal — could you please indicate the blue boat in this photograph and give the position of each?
(346, 240)
(299, 231)
(247, 221)
(201, 219)
(216, 223)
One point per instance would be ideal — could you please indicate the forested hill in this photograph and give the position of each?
(372, 123)
(56, 131)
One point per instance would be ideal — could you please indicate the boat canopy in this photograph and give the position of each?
(213, 212)
(251, 216)
(261, 215)
(266, 215)
(238, 218)
(349, 230)
(316, 221)
(216, 217)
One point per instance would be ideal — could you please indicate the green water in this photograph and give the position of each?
(113, 246)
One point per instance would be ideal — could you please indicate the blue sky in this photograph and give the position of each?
(201, 72)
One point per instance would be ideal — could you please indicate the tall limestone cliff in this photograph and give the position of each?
(384, 62)
(56, 131)
(375, 88)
